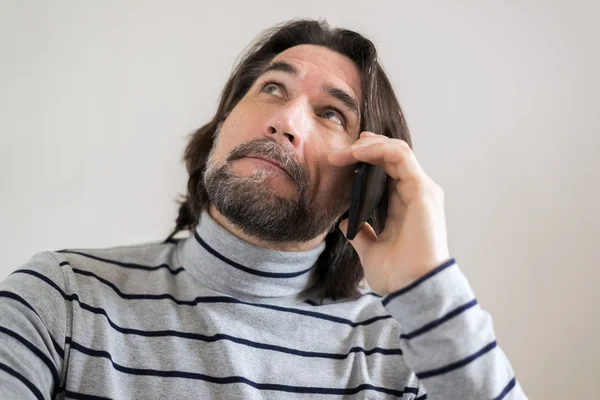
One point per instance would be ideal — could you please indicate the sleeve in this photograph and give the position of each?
(33, 320)
(449, 341)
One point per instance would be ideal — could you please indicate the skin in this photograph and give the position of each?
(414, 241)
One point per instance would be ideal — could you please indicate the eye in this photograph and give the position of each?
(334, 113)
(271, 87)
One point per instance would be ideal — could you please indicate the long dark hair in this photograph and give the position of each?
(338, 270)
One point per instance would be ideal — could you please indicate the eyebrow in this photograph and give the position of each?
(333, 91)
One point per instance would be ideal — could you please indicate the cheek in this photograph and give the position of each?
(341, 181)
(235, 131)
(251, 110)
(222, 147)
(244, 123)
(331, 183)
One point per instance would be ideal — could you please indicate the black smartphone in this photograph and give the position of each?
(368, 187)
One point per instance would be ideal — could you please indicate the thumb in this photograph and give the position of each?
(365, 237)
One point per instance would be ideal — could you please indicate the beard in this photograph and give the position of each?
(251, 205)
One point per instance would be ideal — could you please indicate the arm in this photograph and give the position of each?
(449, 341)
(33, 318)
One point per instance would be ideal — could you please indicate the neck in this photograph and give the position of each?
(299, 246)
(229, 264)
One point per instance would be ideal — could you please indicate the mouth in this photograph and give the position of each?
(270, 161)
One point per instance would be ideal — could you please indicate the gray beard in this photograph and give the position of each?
(256, 209)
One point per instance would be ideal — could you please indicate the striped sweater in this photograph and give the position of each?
(214, 317)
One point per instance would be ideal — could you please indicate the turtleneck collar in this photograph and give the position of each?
(233, 266)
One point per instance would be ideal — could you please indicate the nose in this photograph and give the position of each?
(290, 124)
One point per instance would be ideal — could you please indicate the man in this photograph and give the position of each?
(266, 298)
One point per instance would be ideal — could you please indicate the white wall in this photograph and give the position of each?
(97, 98)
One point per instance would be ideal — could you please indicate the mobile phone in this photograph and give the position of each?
(368, 187)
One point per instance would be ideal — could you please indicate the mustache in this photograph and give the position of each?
(270, 149)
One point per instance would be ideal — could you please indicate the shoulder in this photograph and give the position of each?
(57, 268)
(35, 292)
(128, 266)
(143, 256)
(41, 267)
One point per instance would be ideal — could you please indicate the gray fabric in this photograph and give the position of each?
(216, 321)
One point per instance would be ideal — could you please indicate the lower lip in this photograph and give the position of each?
(266, 163)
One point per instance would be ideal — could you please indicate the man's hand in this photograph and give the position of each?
(414, 240)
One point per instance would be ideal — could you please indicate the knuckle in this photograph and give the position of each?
(421, 190)
(403, 145)
(431, 190)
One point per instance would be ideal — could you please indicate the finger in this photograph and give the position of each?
(395, 156)
(365, 237)
(343, 157)
(368, 134)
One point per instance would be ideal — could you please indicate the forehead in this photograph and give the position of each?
(320, 65)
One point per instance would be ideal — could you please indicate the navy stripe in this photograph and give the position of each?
(422, 397)
(36, 392)
(35, 351)
(411, 390)
(316, 304)
(74, 297)
(232, 379)
(43, 278)
(245, 342)
(507, 389)
(220, 299)
(439, 321)
(458, 364)
(16, 297)
(125, 264)
(244, 268)
(216, 337)
(82, 396)
(416, 283)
